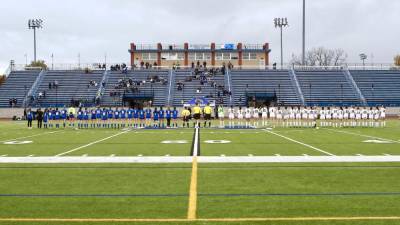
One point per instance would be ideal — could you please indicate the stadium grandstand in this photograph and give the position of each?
(225, 74)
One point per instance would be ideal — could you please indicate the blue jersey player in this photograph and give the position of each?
(141, 116)
(156, 115)
(162, 116)
(148, 117)
(175, 114)
(168, 116)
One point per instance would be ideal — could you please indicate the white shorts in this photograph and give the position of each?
(371, 116)
(322, 117)
(272, 115)
(346, 115)
(304, 116)
(255, 116)
(231, 116)
(292, 116)
(328, 117)
(248, 116)
(376, 117)
(340, 117)
(221, 115)
(240, 116)
(279, 116)
(364, 116)
(286, 117)
(383, 115)
(298, 116)
(358, 116)
(352, 116)
(264, 115)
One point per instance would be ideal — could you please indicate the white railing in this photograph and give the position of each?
(96, 66)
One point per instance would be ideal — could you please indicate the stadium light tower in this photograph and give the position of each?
(281, 23)
(303, 54)
(35, 24)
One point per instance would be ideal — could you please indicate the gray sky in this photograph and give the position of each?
(95, 27)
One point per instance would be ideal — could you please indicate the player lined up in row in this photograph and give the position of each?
(307, 116)
(238, 117)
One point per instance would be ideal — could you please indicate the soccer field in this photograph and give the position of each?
(249, 176)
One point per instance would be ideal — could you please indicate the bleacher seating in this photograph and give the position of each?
(263, 81)
(190, 88)
(17, 85)
(327, 88)
(156, 89)
(72, 85)
(379, 87)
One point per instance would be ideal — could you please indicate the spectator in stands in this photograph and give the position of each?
(205, 64)
(230, 65)
(49, 85)
(274, 66)
(141, 64)
(192, 65)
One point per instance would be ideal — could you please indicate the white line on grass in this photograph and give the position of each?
(196, 142)
(298, 142)
(52, 132)
(201, 159)
(3, 155)
(92, 143)
(362, 135)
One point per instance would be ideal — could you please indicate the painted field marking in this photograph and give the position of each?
(30, 155)
(140, 155)
(301, 143)
(35, 135)
(167, 155)
(200, 159)
(193, 191)
(266, 219)
(250, 155)
(3, 155)
(387, 154)
(361, 135)
(92, 143)
(112, 155)
(359, 154)
(277, 155)
(84, 155)
(305, 155)
(222, 155)
(17, 142)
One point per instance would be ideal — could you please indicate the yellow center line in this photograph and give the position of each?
(193, 192)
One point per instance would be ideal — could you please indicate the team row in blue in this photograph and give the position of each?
(112, 117)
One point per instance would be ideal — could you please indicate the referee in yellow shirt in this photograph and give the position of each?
(185, 117)
(207, 115)
(196, 114)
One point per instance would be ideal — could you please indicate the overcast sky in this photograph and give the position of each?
(94, 28)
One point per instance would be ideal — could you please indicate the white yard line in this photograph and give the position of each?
(92, 143)
(301, 143)
(196, 143)
(201, 159)
(35, 135)
(362, 135)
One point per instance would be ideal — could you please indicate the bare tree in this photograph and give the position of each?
(322, 57)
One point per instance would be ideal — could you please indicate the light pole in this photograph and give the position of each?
(281, 23)
(52, 61)
(303, 55)
(35, 24)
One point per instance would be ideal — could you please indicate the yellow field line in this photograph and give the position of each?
(201, 220)
(193, 192)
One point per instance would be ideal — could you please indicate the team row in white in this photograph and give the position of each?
(307, 116)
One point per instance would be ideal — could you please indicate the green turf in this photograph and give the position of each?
(218, 184)
(258, 179)
(170, 181)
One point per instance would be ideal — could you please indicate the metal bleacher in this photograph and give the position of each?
(156, 90)
(379, 87)
(340, 87)
(17, 85)
(325, 88)
(263, 81)
(190, 88)
(72, 85)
